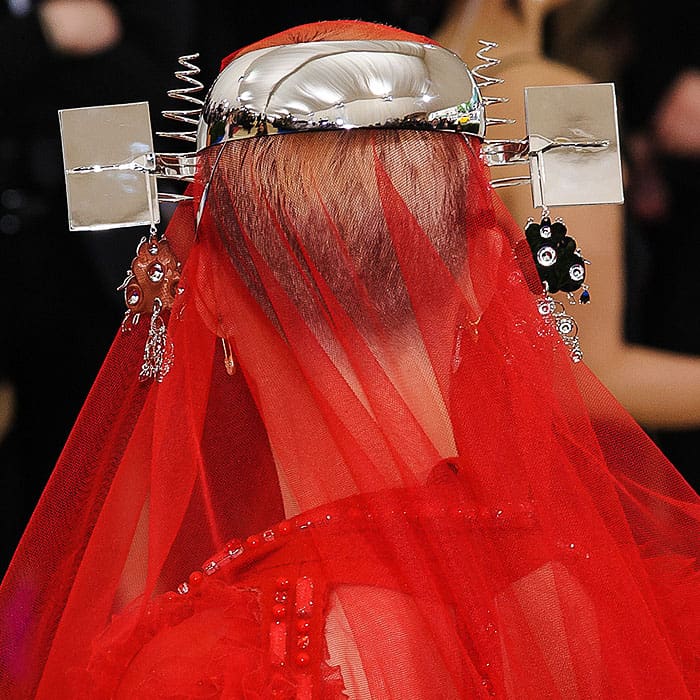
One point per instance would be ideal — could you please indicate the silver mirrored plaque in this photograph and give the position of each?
(574, 145)
(109, 166)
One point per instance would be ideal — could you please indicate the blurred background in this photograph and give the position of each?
(60, 306)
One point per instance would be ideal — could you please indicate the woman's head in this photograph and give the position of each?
(332, 208)
(319, 201)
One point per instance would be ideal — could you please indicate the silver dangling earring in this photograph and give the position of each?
(159, 350)
(566, 326)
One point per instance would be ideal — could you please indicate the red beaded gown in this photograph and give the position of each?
(406, 489)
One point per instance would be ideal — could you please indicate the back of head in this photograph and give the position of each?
(337, 204)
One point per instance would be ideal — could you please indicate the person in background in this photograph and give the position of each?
(660, 387)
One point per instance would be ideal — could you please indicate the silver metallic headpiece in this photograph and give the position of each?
(111, 167)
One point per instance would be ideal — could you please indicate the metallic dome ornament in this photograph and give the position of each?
(341, 85)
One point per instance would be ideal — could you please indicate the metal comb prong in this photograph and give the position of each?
(511, 181)
(190, 136)
(491, 121)
(188, 116)
(488, 101)
(174, 198)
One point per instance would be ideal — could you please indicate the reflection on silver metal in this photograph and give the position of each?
(188, 116)
(176, 166)
(108, 160)
(505, 152)
(574, 145)
(336, 85)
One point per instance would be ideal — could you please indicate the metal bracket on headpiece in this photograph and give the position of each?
(111, 168)
(572, 146)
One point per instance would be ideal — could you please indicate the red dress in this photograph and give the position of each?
(406, 490)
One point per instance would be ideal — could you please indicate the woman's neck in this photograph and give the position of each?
(469, 21)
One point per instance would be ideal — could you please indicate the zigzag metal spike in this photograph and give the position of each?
(188, 116)
(484, 81)
(187, 76)
(489, 62)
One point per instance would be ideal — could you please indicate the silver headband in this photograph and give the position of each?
(111, 167)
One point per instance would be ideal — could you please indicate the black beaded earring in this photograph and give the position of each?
(561, 268)
(558, 260)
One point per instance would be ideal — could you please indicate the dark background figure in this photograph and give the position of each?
(60, 304)
(660, 91)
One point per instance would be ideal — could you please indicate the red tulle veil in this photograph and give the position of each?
(405, 490)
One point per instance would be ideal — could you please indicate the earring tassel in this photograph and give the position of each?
(159, 351)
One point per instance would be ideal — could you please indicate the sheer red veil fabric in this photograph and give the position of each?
(406, 490)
